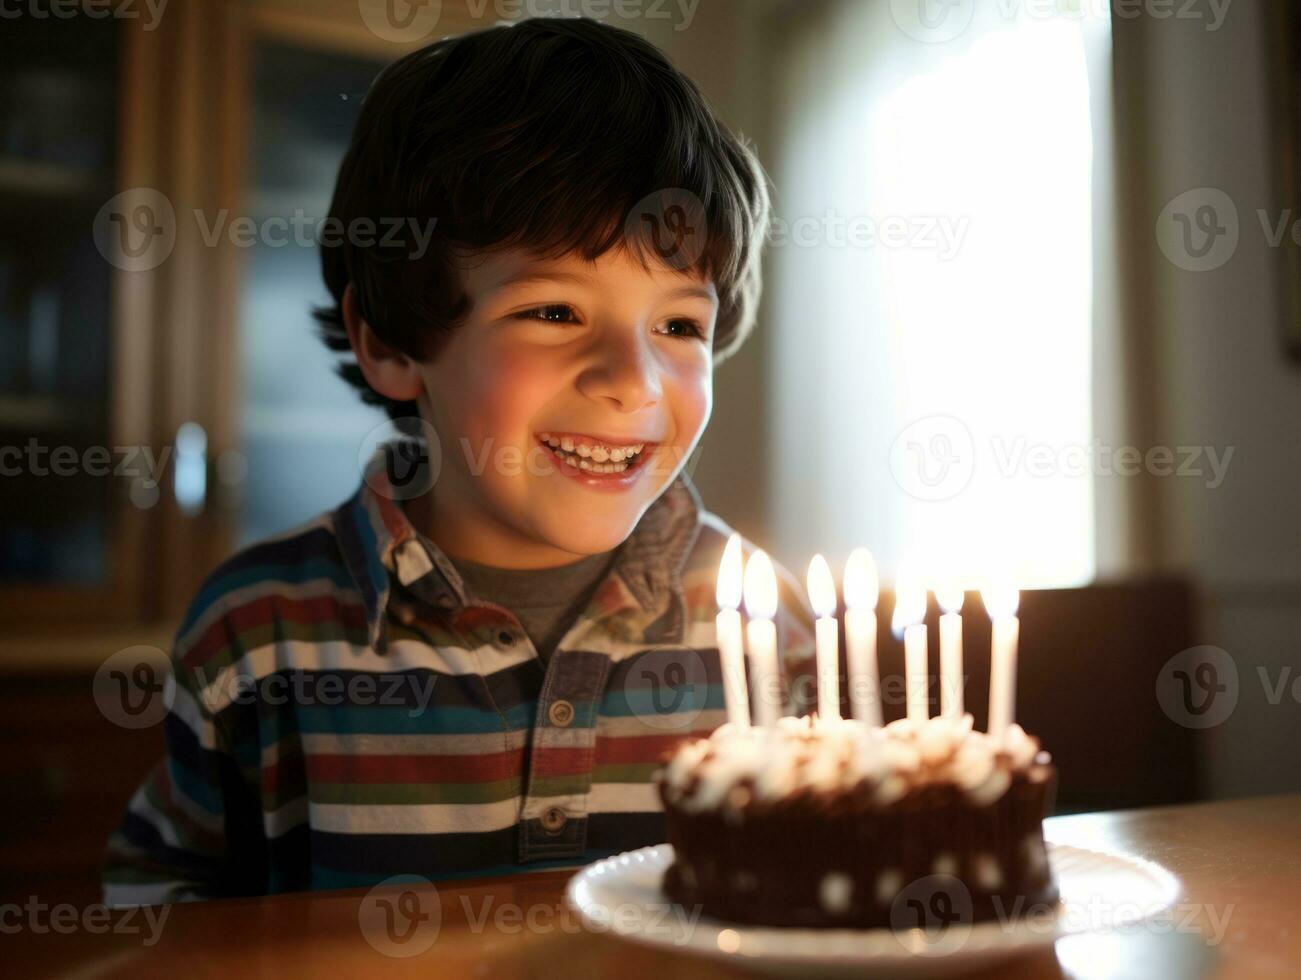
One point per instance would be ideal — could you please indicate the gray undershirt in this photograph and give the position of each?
(545, 600)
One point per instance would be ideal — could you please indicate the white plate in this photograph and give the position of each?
(622, 895)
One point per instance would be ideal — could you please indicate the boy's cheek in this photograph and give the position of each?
(496, 399)
(495, 404)
(696, 405)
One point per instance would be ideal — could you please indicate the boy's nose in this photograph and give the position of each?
(624, 375)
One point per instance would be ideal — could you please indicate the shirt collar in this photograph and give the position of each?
(379, 543)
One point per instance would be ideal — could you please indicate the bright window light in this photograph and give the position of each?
(956, 380)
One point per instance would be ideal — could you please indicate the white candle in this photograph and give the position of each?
(909, 613)
(951, 681)
(731, 654)
(760, 589)
(1001, 603)
(914, 645)
(862, 589)
(822, 597)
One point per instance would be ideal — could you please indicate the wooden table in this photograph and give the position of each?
(1239, 916)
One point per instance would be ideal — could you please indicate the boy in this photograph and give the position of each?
(480, 676)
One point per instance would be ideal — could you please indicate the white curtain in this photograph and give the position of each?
(934, 285)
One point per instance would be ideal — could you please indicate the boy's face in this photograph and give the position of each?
(599, 356)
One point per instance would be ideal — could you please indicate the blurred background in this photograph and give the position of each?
(1031, 311)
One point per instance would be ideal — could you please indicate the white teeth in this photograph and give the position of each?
(588, 465)
(596, 459)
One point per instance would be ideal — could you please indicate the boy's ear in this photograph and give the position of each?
(389, 371)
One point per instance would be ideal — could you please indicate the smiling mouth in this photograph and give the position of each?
(595, 456)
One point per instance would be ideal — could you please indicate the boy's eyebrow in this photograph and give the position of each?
(578, 278)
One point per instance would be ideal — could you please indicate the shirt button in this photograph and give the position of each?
(553, 821)
(561, 713)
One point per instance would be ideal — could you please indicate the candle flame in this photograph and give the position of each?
(822, 587)
(1001, 601)
(760, 586)
(862, 584)
(909, 602)
(950, 597)
(728, 591)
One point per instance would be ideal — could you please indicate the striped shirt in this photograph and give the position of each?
(345, 710)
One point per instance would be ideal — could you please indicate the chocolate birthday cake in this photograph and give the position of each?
(837, 824)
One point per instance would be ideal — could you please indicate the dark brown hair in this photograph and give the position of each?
(544, 135)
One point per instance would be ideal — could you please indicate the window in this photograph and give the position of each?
(301, 427)
(933, 296)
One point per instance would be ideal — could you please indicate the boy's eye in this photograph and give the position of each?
(551, 313)
(564, 313)
(690, 329)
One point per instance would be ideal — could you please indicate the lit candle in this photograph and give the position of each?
(730, 651)
(822, 596)
(862, 589)
(951, 681)
(1001, 602)
(760, 589)
(909, 613)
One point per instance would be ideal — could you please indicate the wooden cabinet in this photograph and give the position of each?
(62, 534)
(163, 398)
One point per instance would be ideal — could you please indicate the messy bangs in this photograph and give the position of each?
(565, 137)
